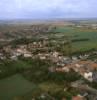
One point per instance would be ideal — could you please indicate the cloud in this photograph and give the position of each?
(47, 8)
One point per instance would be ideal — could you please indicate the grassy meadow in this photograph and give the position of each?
(15, 87)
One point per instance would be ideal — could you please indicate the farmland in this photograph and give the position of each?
(32, 58)
(14, 87)
(87, 37)
(76, 34)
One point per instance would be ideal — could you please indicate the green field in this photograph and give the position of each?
(15, 86)
(79, 33)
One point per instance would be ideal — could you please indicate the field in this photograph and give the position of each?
(14, 86)
(74, 33)
(77, 34)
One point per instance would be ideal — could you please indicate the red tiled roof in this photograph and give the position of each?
(77, 98)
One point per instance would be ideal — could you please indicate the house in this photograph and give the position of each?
(14, 57)
(88, 76)
(16, 54)
(79, 97)
(94, 76)
(42, 57)
(27, 55)
(74, 58)
(19, 51)
(65, 69)
(55, 54)
(62, 69)
(2, 57)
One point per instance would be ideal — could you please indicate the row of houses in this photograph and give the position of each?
(25, 50)
(87, 69)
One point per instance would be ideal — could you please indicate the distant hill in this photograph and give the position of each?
(40, 21)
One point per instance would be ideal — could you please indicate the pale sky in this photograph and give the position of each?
(40, 9)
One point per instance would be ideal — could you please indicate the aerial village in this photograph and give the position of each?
(80, 64)
(62, 62)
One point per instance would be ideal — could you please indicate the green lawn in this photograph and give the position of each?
(15, 86)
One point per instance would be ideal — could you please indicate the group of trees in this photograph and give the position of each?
(7, 69)
(37, 72)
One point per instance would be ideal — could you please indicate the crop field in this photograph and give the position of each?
(14, 87)
(77, 34)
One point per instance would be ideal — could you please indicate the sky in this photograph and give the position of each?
(46, 9)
